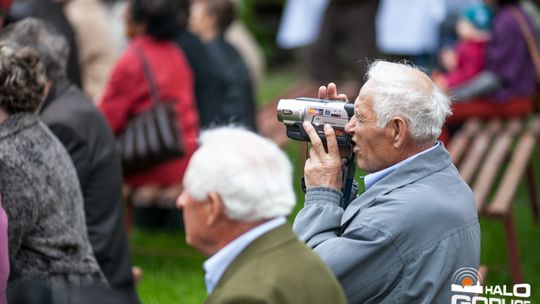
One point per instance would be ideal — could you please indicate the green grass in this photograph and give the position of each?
(172, 271)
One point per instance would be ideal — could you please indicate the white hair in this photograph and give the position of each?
(250, 173)
(405, 91)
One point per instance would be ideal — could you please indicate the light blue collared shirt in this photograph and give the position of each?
(216, 265)
(372, 178)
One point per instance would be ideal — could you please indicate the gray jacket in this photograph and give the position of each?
(41, 196)
(401, 240)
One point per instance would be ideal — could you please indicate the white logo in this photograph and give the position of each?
(467, 282)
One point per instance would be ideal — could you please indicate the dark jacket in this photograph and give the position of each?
(237, 100)
(84, 132)
(277, 268)
(205, 76)
(47, 231)
(4, 255)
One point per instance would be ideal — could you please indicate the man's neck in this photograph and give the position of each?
(231, 231)
(412, 149)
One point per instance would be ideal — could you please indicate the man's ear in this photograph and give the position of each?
(216, 209)
(399, 131)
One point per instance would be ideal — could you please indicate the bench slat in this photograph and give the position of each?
(461, 140)
(479, 147)
(493, 162)
(502, 202)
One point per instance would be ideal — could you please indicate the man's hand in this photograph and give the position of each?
(330, 92)
(323, 169)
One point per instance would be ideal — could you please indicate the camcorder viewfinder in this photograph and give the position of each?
(336, 113)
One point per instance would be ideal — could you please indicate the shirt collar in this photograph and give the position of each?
(372, 178)
(216, 265)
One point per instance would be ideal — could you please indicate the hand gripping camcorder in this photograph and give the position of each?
(336, 113)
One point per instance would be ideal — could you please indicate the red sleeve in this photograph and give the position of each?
(122, 91)
(470, 63)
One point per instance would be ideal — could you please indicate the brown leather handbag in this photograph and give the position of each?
(151, 137)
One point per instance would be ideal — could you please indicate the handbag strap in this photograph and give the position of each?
(152, 86)
(529, 38)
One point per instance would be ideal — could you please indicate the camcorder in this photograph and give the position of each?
(336, 113)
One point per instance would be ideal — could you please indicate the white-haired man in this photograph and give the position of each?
(234, 212)
(416, 224)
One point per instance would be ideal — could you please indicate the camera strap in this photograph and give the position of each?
(348, 181)
(350, 188)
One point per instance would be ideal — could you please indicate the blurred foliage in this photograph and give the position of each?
(262, 18)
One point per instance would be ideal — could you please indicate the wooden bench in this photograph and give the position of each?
(493, 157)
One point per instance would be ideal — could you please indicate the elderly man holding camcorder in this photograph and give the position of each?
(416, 224)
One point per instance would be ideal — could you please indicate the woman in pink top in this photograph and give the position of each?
(4, 261)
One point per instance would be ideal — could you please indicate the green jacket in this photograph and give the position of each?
(277, 268)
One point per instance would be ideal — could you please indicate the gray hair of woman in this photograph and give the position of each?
(22, 80)
(52, 47)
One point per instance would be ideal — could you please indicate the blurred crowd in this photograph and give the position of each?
(88, 67)
(483, 53)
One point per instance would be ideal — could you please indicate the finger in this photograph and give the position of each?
(331, 91)
(331, 141)
(322, 92)
(343, 97)
(316, 142)
(312, 153)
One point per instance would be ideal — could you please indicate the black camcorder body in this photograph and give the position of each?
(336, 113)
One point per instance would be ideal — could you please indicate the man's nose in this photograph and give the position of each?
(349, 127)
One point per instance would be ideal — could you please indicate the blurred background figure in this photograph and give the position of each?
(115, 11)
(346, 39)
(52, 12)
(447, 31)
(299, 28)
(509, 71)
(509, 79)
(208, 20)
(241, 38)
(467, 59)
(532, 9)
(151, 26)
(4, 9)
(410, 30)
(95, 43)
(300, 23)
(205, 75)
(4, 257)
(47, 232)
(84, 132)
